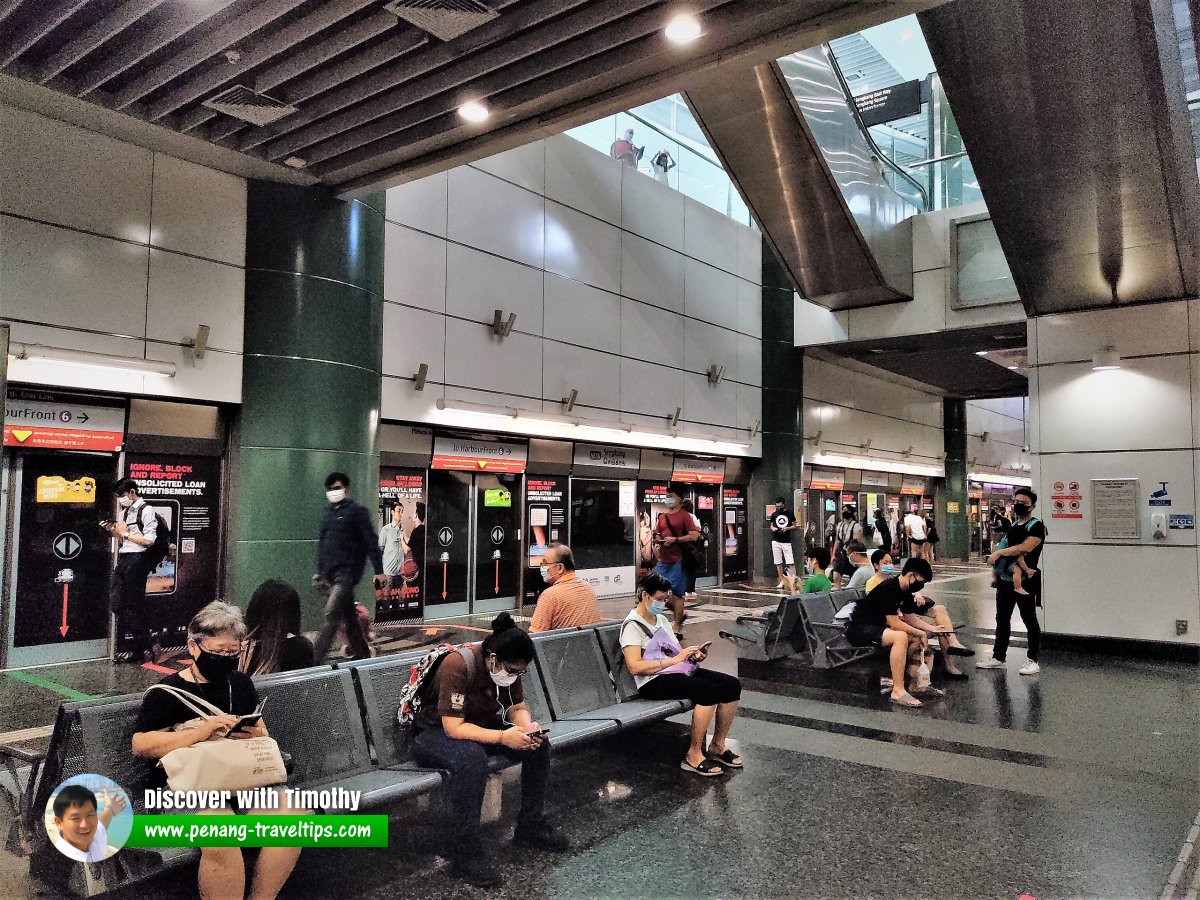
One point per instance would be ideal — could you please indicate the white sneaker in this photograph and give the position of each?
(991, 663)
(1030, 668)
(779, 586)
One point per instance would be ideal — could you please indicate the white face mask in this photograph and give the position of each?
(336, 496)
(503, 678)
(124, 502)
(545, 570)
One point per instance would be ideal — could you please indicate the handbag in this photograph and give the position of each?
(220, 763)
(664, 646)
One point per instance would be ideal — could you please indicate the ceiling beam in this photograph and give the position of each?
(179, 21)
(93, 37)
(50, 14)
(195, 52)
(7, 8)
(324, 17)
(536, 48)
(522, 17)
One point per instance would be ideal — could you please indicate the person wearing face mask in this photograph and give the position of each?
(881, 562)
(215, 637)
(347, 540)
(136, 528)
(480, 712)
(569, 601)
(879, 620)
(1023, 541)
(675, 528)
(665, 671)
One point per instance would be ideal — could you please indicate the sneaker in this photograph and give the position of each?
(542, 836)
(1030, 668)
(477, 870)
(779, 586)
(991, 663)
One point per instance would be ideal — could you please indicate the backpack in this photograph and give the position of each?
(412, 697)
(157, 551)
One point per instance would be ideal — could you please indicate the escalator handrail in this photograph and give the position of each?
(866, 132)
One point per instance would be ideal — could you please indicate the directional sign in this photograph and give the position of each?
(446, 536)
(41, 419)
(497, 535)
(67, 545)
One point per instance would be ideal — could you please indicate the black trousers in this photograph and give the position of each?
(127, 598)
(1006, 601)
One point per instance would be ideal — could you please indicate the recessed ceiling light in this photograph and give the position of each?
(906, 36)
(295, 162)
(683, 29)
(981, 353)
(474, 111)
(1013, 368)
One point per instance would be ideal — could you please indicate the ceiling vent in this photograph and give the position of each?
(444, 19)
(242, 103)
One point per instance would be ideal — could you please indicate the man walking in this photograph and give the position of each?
(675, 528)
(136, 527)
(569, 601)
(1025, 537)
(347, 540)
(783, 523)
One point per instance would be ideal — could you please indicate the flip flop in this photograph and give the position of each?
(931, 692)
(706, 769)
(728, 759)
(906, 699)
(961, 651)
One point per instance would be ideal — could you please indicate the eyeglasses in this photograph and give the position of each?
(225, 653)
(511, 671)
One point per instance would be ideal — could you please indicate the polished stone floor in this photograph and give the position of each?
(1083, 781)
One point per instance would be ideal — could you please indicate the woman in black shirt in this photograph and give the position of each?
(214, 642)
(274, 642)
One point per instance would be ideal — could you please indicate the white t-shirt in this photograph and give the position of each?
(97, 850)
(632, 636)
(915, 526)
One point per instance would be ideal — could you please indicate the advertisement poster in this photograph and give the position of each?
(733, 512)
(402, 496)
(63, 558)
(546, 515)
(185, 491)
(651, 496)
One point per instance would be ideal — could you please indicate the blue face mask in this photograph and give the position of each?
(670, 502)
(658, 607)
(889, 569)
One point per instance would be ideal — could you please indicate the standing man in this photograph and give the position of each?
(1025, 537)
(569, 600)
(914, 528)
(136, 527)
(675, 527)
(848, 530)
(783, 523)
(347, 540)
(391, 542)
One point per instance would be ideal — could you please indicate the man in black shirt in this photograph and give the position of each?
(783, 523)
(878, 620)
(1025, 537)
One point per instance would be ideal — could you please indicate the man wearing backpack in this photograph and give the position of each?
(136, 527)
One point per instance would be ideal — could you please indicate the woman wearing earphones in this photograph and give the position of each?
(479, 712)
(665, 671)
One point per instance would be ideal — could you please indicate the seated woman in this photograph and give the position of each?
(664, 679)
(881, 560)
(214, 642)
(476, 709)
(274, 641)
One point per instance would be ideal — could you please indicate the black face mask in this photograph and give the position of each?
(914, 587)
(214, 667)
(1020, 510)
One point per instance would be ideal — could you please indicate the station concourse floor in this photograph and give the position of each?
(1083, 781)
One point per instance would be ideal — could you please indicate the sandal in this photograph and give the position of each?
(930, 692)
(707, 769)
(959, 650)
(726, 758)
(906, 699)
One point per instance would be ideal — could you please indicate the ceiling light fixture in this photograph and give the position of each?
(295, 162)
(474, 111)
(1012, 368)
(981, 353)
(906, 36)
(683, 29)
(1106, 359)
(88, 360)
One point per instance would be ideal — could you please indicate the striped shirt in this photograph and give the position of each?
(568, 602)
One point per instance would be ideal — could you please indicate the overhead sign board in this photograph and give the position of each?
(467, 455)
(701, 471)
(40, 420)
(828, 479)
(889, 103)
(913, 486)
(608, 457)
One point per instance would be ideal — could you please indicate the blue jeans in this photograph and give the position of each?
(674, 573)
(467, 763)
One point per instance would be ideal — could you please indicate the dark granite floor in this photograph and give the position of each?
(1081, 782)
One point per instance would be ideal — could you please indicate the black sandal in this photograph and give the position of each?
(707, 769)
(727, 758)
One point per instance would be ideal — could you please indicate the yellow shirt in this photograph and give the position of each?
(875, 580)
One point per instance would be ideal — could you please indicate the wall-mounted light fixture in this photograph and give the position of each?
(88, 360)
(194, 348)
(1106, 360)
(419, 377)
(568, 401)
(715, 374)
(756, 429)
(816, 438)
(673, 419)
(500, 327)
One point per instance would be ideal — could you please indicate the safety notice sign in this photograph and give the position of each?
(1066, 500)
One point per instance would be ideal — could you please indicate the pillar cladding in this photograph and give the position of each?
(779, 472)
(956, 535)
(311, 381)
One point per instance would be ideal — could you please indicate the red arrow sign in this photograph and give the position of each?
(497, 576)
(443, 581)
(64, 628)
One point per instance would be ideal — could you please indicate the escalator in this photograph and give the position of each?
(1076, 118)
(789, 139)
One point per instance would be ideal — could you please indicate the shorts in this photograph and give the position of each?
(703, 687)
(916, 542)
(865, 635)
(782, 554)
(674, 573)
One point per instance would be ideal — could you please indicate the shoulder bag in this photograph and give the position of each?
(663, 646)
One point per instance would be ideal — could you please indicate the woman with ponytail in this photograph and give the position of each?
(480, 712)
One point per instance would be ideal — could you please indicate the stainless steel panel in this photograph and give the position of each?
(1076, 122)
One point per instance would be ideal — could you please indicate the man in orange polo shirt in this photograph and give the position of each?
(569, 600)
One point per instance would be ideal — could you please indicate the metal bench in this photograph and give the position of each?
(826, 638)
(609, 636)
(774, 635)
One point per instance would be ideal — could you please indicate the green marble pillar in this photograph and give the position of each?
(955, 526)
(779, 471)
(311, 379)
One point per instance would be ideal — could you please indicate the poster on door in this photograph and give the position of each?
(402, 537)
(185, 493)
(652, 497)
(735, 543)
(63, 557)
(546, 516)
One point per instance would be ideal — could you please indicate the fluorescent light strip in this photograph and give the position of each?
(879, 465)
(85, 359)
(1000, 479)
